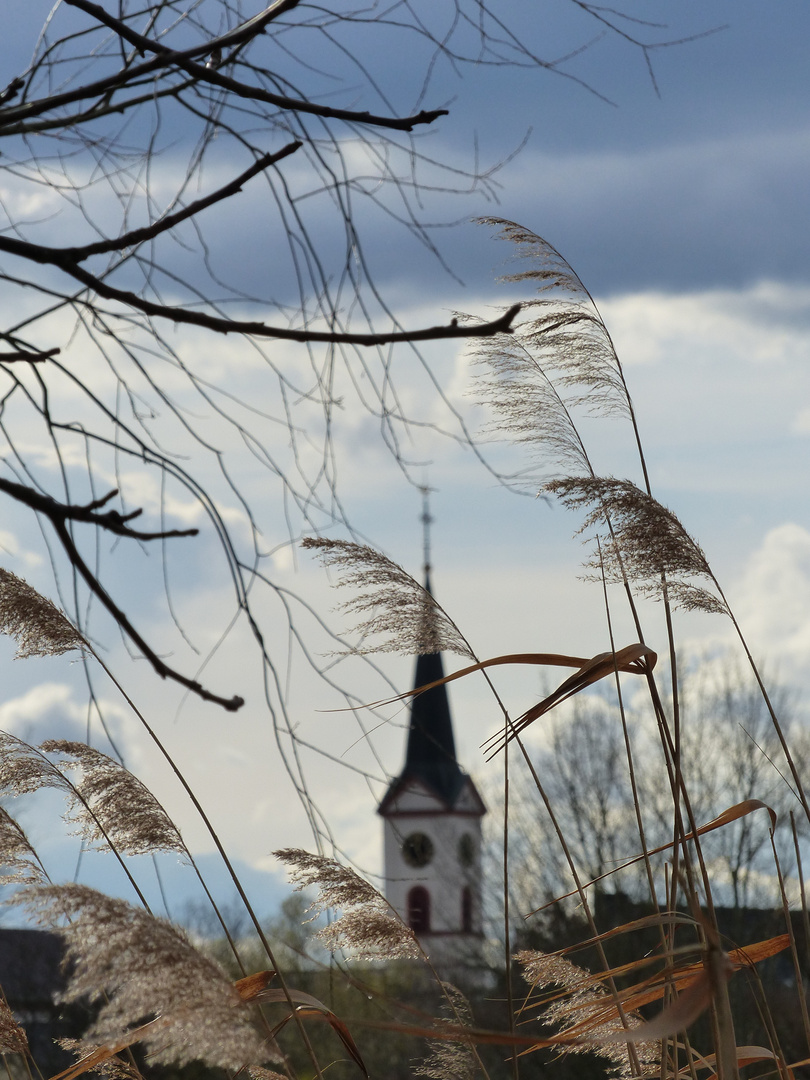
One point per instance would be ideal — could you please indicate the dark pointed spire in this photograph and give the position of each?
(431, 752)
(430, 757)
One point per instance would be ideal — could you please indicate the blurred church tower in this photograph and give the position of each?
(432, 832)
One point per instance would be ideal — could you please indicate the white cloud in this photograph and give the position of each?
(22, 714)
(763, 324)
(11, 545)
(801, 422)
(772, 600)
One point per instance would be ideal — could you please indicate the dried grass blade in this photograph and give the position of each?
(535, 659)
(311, 1006)
(682, 978)
(661, 918)
(636, 659)
(761, 950)
(104, 1053)
(734, 813)
(746, 1055)
(251, 986)
(678, 1016)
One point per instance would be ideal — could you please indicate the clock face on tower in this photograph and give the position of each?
(417, 849)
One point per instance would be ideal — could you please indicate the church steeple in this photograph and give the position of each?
(432, 814)
(430, 756)
(431, 751)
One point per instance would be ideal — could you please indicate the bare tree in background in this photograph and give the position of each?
(134, 140)
(730, 754)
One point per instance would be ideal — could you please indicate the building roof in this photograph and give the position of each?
(31, 972)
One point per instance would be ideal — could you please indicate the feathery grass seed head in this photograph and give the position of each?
(108, 799)
(528, 408)
(36, 624)
(257, 1072)
(114, 1068)
(586, 1010)
(24, 769)
(642, 540)
(13, 1039)
(18, 859)
(367, 926)
(447, 1059)
(138, 966)
(392, 602)
(568, 336)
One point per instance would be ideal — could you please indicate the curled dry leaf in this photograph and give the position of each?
(636, 659)
(746, 1055)
(304, 1005)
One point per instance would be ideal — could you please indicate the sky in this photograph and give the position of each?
(683, 207)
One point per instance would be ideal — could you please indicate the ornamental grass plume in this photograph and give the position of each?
(20, 862)
(138, 968)
(109, 805)
(392, 602)
(451, 1059)
(113, 1068)
(24, 768)
(13, 1039)
(528, 407)
(581, 1004)
(367, 925)
(36, 624)
(568, 337)
(641, 542)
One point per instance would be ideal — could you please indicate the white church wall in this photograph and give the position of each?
(440, 850)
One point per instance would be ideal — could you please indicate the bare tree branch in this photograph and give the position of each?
(66, 261)
(184, 60)
(116, 523)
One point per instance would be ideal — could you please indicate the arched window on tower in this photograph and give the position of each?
(466, 910)
(419, 909)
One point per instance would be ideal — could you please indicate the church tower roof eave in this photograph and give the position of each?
(467, 801)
